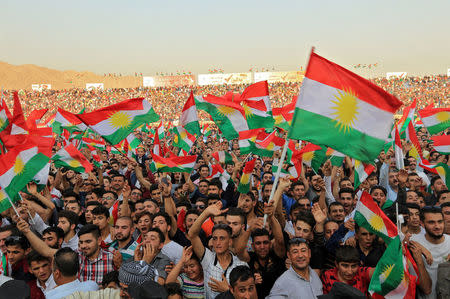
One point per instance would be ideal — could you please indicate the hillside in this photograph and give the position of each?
(22, 76)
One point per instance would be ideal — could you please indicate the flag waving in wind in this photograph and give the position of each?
(189, 118)
(256, 102)
(342, 110)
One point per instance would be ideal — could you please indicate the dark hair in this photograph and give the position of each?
(297, 183)
(335, 203)
(66, 261)
(165, 216)
(173, 288)
(119, 175)
(191, 211)
(72, 217)
(162, 238)
(240, 273)
(202, 166)
(90, 229)
(378, 187)
(306, 216)
(101, 210)
(9, 228)
(144, 213)
(430, 210)
(126, 218)
(213, 197)
(34, 256)
(445, 204)
(347, 190)
(224, 227)
(153, 187)
(434, 179)
(19, 240)
(266, 184)
(347, 254)
(113, 193)
(233, 211)
(203, 181)
(295, 206)
(184, 203)
(109, 277)
(413, 206)
(259, 232)
(296, 241)
(216, 182)
(54, 229)
(70, 193)
(438, 195)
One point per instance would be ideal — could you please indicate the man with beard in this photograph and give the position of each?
(123, 230)
(389, 180)
(437, 185)
(336, 212)
(67, 221)
(53, 236)
(266, 259)
(247, 203)
(117, 184)
(435, 241)
(299, 281)
(347, 199)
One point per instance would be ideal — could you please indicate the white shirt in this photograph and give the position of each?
(439, 252)
(49, 284)
(71, 287)
(72, 244)
(173, 251)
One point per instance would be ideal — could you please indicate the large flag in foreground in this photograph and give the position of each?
(342, 110)
(18, 167)
(114, 123)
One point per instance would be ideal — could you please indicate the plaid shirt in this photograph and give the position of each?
(95, 269)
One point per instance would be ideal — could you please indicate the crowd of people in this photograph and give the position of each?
(168, 102)
(125, 231)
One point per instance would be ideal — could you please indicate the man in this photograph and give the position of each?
(242, 284)
(109, 198)
(151, 206)
(88, 212)
(347, 270)
(437, 185)
(134, 273)
(218, 263)
(152, 255)
(65, 270)
(68, 221)
(5, 232)
(236, 220)
(41, 268)
(135, 195)
(413, 220)
(117, 184)
(443, 196)
(267, 258)
(446, 211)
(53, 236)
(379, 195)
(336, 212)
(435, 241)
(347, 199)
(101, 219)
(247, 202)
(17, 248)
(123, 230)
(299, 281)
(171, 249)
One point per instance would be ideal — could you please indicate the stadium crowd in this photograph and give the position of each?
(123, 231)
(168, 102)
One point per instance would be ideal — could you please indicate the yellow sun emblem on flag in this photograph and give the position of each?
(175, 139)
(346, 110)
(120, 119)
(308, 157)
(19, 166)
(270, 146)
(2, 195)
(225, 110)
(74, 163)
(245, 178)
(376, 222)
(443, 116)
(278, 119)
(183, 135)
(386, 272)
(247, 110)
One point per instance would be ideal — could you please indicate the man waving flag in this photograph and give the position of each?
(342, 110)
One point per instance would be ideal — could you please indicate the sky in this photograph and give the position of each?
(198, 35)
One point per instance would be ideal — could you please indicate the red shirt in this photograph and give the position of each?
(360, 281)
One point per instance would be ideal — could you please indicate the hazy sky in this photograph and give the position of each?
(170, 35)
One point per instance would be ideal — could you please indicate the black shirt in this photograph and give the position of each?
(275, 266)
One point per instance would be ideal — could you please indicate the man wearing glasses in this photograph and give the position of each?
(300, 280)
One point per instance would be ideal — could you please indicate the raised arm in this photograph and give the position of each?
(278, 245)
(185, 257)
(34, 240)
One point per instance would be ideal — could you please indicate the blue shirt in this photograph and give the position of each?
(71, 287)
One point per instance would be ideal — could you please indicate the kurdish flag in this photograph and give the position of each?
(391, 277)
(247, 140)
(314, 158)
(4, 119)
(283, 115)
(342, 110)
(189, 118)
(362, 171)
(183, 139)
(95, 157)
(174, 164)
(443, 171)
(18, 167)
(223, 157)
(71, 158)
(114, 123)
(256, 102)
(435, 119)
(399, 163)
(67, 120)
(370, 216)
(268, 143)
(4, 202)
(228, 116)
(335, 157)
(441, 144)
(244, 184)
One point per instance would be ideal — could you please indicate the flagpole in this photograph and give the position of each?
(12, 205)
(277, 175)
(29, 214)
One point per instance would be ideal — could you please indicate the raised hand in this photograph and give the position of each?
(318, 214)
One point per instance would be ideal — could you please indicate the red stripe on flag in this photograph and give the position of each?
(96, 116)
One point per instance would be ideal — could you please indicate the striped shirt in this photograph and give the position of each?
(190, 288)
(127, 252)
(95, 269)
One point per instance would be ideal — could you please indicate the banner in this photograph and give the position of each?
(40, 87)
(396, 75)
(220, 79)
(97, 86)
(169, 81)
(273, 77)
